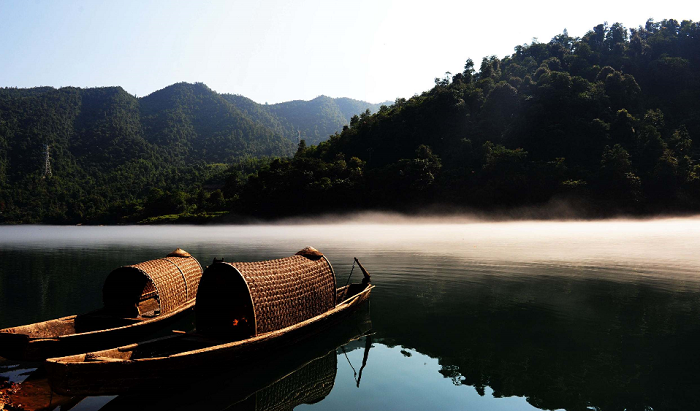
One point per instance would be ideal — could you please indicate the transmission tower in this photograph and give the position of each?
(47, 164)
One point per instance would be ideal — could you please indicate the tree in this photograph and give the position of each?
(301, 148)
(622, 130)
(421, 171)
(216, 201)
(615, 38)
(468, 72)
(616, 181)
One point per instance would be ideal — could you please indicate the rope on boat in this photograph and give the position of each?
(353, 267)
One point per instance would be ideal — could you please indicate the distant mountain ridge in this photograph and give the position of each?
(312, 120)
(183, 123)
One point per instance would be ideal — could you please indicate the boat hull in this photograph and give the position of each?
(233, 385)
(22, 347)
(108, 374)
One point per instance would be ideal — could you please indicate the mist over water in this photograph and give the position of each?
(639, 244)
(555, 314)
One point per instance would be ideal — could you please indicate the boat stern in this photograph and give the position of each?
(58, 372)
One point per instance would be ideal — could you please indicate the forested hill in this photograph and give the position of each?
(192, 123)
(109, 150)
(312, 121)
(608, 122)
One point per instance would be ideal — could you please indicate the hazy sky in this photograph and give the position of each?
(273, 51)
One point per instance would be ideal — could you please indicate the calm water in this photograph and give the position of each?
(477, 316)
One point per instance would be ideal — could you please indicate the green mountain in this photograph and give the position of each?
(109, 150)
(261, 114)
(192, 123)
(312, 121)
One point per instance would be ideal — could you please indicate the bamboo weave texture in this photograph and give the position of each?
(288, 290)
(175, 279)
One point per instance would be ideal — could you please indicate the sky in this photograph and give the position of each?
(273, 51)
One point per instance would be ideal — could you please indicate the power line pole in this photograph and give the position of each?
(47, 164)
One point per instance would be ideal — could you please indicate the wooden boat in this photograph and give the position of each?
(138, 300)
(244, 311)
(246, 387)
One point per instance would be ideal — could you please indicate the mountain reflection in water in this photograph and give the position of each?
(553, 315)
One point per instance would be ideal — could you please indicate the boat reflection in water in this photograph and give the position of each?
(307, 385)
(304, 374)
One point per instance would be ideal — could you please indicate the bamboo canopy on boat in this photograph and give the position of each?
(244, 299)
(170, 281)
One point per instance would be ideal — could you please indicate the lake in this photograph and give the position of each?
(465, 314)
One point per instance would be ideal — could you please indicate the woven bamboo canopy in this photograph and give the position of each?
(244, 299)
(172, 281)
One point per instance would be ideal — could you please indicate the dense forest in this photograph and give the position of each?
(608, 123)
(115, 157)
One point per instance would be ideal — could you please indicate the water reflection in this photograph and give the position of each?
(30, 391)
(310, 383)
(404, 379)
(561, 341)
(357, 375)
(304, 373)
(553, 315)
